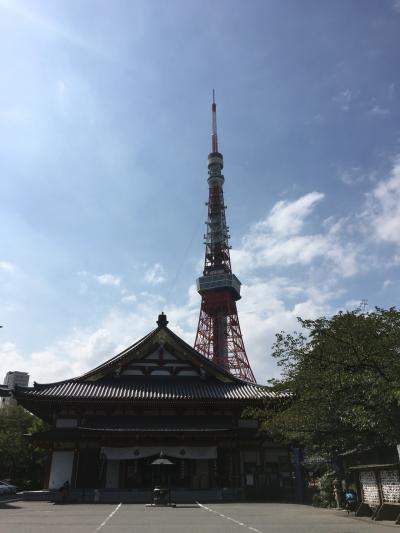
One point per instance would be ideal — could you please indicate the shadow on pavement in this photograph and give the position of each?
(4, 505)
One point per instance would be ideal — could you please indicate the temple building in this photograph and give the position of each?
(161, 396)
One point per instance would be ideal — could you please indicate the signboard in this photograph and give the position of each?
(390, 481)
(369, 487)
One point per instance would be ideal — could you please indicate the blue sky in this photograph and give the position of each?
(104, 136)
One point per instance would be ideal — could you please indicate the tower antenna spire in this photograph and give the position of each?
(219, 337)
(214, 136)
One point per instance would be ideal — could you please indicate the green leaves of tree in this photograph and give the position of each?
(20, 461)
(344, 376)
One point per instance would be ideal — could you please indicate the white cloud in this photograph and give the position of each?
(10, 359)
(276, 241)
(108, 279)
(344, 99)
(271, 303)
(352, 304)
(151, 301)
(351, 176)
(382, 213)
(386, 284)
(266, 310)
(287, 218)
(7, 267)
(82, 348)
(128, 298)
(380, 112)
(155, 275)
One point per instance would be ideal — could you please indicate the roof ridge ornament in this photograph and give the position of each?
(162, 320)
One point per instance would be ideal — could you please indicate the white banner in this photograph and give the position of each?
(369, 487)
(178, 452)
(390, 481)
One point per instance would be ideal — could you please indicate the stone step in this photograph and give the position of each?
(124, 496)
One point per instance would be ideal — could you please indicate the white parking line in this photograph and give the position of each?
(229, 518)
(108, 517)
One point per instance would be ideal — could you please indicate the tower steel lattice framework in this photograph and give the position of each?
(218, 334)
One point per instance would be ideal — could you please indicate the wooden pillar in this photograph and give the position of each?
(47, 467)
(75, 467)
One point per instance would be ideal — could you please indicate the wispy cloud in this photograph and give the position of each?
(6, 266)
(380, 112)
(53, 27)
(108, 279)
(128, 297)
(351, 176)
(386, 284)
(382, 214)
(270, 303)
(155, 275)
(291, 233)
(344, 99)
(83, 348)
(287, 218)
(280, 240)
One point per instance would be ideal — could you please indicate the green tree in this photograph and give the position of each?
(20, 461)
(343, 376)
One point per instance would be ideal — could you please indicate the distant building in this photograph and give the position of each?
(12, 379)
(16, 378)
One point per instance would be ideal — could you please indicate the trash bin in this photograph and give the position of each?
(160, 496)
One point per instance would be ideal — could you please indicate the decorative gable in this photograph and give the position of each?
(159, 353)
(160, 362)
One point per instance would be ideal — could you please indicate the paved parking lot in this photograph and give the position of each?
(44, 517)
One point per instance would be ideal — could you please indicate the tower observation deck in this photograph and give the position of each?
(218, 334)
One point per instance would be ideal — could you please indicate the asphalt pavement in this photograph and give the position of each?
(44, 517)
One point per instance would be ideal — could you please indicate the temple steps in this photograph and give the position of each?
(131, 496)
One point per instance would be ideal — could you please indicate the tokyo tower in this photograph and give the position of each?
(219, 337)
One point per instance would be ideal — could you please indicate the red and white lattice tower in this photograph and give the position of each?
(218, 334)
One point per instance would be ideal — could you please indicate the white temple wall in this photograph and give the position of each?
(201, 481)
(249, 461)
(61, 468)
(112, 475)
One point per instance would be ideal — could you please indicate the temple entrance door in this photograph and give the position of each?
(162, 476)
(88, 469)
(201, 479)
(130, 475)
(184, 474)
(138, 474)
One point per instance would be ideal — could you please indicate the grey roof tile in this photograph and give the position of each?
(180, 389)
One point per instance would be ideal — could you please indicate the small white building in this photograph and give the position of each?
(13, 378)
(16, 378)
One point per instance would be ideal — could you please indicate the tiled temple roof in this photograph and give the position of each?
(149, 389)
(139, 374)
